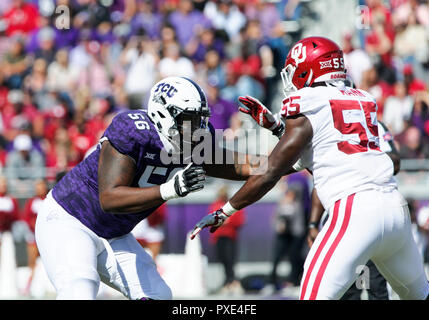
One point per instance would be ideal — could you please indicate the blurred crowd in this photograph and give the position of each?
(393, 65)
(67, 66)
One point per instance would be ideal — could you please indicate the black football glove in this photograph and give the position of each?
(189, 180)
(185, 181)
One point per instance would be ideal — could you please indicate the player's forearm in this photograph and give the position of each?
(240, 169)
(254, 189)
(394, 156)
(230, 172)
(124, 199)
(317, 208)
(116, 173)
(279, 163)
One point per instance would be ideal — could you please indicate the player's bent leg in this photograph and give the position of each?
(68, 253)
(340, 251)
(77, 278)
(132, 270)
(78, 289)
(404, 271)
(398, 258)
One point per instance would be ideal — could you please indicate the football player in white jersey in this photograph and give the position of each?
(332, 129)
(377, 287)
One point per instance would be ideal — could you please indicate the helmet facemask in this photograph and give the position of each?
(178, 108)
(186, 123)
(287, 75)
(178, 125)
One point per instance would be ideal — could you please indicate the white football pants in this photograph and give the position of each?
(76, 259)
(368, 225)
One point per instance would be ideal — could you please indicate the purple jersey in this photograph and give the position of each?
(131, 133)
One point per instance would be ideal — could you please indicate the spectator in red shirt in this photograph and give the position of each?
(379, 88)
(225, 239)
(18, 113)
(379, 41)
(4, 91)
(99, 108)
(9, 208)
(22, 17)
(61, 155)
(29, 216)
(244, 71)
(248, 65)
(81, 137)
(378, 9)
(413, 84)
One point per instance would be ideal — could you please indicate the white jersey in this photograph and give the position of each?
(385, 138)
(344, 154)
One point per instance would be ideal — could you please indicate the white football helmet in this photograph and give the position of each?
(176, 102)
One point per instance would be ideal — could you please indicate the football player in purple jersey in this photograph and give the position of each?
(143, 159)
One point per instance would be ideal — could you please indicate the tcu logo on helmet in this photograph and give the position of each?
(299, 53)
(166, 88)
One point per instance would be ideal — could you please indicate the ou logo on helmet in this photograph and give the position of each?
(299, 53)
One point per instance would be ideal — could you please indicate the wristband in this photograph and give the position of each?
(167, 190)
(312, 225)
(279, 130)
(228, 209)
